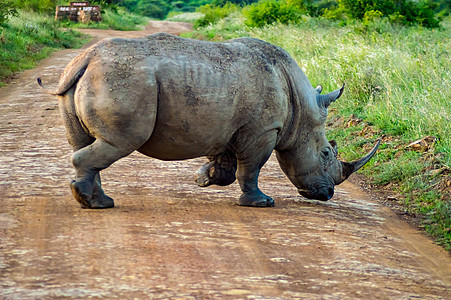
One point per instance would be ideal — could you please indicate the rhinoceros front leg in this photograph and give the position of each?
(249, 164)
(88, 162)
(220, 170)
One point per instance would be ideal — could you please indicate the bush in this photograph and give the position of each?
(269, 12)
(236, 2)
(6, 11)
(214, 13)
(30, 37)
(402, 11)
(42, 6)
(160, 9)
(154, 8)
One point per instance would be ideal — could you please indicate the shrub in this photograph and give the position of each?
(30, 37)
(6, 11)
(214, 13)
(402, 11)
(154, 8)
(269, 12)
(236, 2)
(421, 12)
(42, 6)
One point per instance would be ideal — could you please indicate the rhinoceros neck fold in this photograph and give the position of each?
(300, 108)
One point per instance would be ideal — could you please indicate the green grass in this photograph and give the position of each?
(398, 85)
(30, 37)
(183, 17)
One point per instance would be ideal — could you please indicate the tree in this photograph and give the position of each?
(153, 8)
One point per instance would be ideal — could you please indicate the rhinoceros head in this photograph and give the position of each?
(312, 164)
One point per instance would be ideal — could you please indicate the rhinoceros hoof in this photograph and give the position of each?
(102, 202)
(202, 178)
(80, 190)
(256, 200)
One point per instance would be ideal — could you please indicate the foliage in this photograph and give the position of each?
(42, 6)
(211, 13)
(407, 12)
(29, 37)
(241, 3)
(403, 11)
(270, 12)
(6, 11)
(154, 8)
(160, 9)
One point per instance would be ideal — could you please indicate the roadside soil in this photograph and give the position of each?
(168, 238)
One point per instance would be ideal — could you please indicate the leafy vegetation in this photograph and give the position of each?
(269, 12)
(28, 37)
(7, 10)
(211, 14)
(398, 85)
(28, 32)
(264, 12)
(158, 9)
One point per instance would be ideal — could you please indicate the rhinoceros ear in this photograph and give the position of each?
(326, 100)
(319, 89)
(333, 143)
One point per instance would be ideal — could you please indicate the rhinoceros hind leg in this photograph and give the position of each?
(220, 170)
(82, 192)
(98, 199)
(88, 162)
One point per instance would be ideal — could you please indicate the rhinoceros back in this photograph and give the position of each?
(207, 92)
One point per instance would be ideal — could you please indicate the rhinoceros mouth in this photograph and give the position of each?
(323, 194)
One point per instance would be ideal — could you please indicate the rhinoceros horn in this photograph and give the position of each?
(327, 99)
(350, 167)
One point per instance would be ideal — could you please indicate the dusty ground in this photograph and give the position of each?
(168, 238)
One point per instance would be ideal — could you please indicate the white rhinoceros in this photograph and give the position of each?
(173, 98)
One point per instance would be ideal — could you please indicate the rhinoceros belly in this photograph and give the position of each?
(198, 110)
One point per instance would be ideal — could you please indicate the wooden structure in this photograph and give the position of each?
(79, 11)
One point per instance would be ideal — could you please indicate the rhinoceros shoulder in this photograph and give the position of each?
(268, 49)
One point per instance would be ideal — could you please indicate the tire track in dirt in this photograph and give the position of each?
(167, 238)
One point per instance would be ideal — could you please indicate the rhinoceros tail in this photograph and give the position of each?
(44, 88)
(71, 75)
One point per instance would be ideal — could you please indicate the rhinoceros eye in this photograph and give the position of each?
(326, 154)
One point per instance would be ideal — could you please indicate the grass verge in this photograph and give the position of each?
(30, 37)
(398, 86)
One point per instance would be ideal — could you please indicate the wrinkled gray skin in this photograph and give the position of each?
(172, 99)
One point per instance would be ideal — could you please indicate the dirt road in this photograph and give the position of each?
(168, 238)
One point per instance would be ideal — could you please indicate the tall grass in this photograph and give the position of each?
(398, 87)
